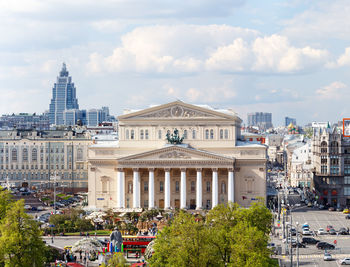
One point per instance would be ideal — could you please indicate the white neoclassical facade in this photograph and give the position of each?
(143, 170)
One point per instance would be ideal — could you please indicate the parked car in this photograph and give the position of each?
(309, 240)
(345, 261)
(347, 216)
(332, 231)
(331, 209)
(346, 211)
(324, 245)
(321, 231)
(34, 208)
(327, 257)
(40, 208)
(340, 209)
(27, 207)
(321, 207)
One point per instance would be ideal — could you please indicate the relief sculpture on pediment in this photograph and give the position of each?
(174, 154)
(177, 112)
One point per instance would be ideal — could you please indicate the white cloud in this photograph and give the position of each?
(343, 60)
(193, 48)
(325, 20)
(332, 91)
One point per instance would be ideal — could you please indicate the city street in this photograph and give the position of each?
(311, 256)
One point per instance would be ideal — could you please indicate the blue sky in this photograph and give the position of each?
(291, 58)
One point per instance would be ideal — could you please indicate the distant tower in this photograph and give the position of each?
(63, 97)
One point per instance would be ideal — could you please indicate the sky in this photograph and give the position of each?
(291, 58)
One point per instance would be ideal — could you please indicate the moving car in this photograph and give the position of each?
(343, 231)
(327, 257)
(329, 227)
(324, 245)
(309, 240)
(321, 231)
(300, 245)
(346, 211)
(345, 261)
(332, 231)
(306, 231)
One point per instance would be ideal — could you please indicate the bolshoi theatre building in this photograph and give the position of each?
(176, 155)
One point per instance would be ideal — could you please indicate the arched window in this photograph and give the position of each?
(146, 134)
(211, 134)
(132, 134)
(79, 154)
(25, 154)
(226, 134)
(141, 134)
(185, 134)
(207, 134)
(223, 188)
(14, 154)
(127, 134)
(193, 134)
(34, 154)
(159, 134)
(221, 134)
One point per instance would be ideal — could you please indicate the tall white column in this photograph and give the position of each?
(120, 188)
(215, 195)
(183, 189)
(199, 190)
(167, 189)
(151, 189)
(231, 186)
(136, 189)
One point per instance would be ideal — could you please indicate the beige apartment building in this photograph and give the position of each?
(33, 158)
(144, 170)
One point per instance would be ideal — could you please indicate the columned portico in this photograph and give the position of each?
(167, 189)
(183, 189)
(151, 188)
(231, 186)
(199, 189)
(215, 195)
(136, 188)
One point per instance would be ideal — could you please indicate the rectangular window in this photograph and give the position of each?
(208, 187)
(161, 186)
(177, 186)
(346, 190)
(193, 186)
(146, 134)
(145, 187)
(159, 134)
(347, 180)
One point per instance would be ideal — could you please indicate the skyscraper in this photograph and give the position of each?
(261, 119)
(63, 97)
(288, 121)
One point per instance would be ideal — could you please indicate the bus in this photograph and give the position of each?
(136, 242)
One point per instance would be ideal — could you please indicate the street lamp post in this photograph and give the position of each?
(54, 199)
(297, 224)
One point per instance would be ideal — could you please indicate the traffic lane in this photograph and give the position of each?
(320, 218)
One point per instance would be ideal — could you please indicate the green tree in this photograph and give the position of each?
(118, 260)
(183, 243)
(20, 239)
(5, 202)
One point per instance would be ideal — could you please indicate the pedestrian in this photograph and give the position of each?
(80, 256)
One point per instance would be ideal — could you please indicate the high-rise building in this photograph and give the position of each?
(71, 117)
(63, 97)
(95, 116)
(288, 121)
(261, 119)
(25, 121)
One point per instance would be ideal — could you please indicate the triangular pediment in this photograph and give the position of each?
(176, 153)
(179, 110)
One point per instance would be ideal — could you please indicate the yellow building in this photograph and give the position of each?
(143, 170)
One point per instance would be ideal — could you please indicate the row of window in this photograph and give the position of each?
(209, 134)
(19, 175)
(177, 187)
(14, 155)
